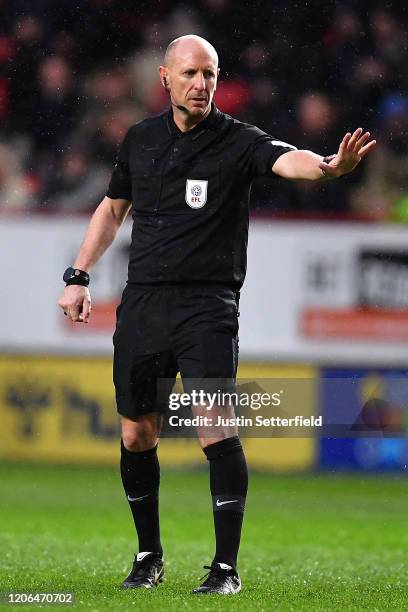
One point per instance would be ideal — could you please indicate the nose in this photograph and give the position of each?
(199, 82)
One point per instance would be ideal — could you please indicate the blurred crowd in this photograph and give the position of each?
(75, 76)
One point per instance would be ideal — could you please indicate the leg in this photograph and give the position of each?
(228, 486)
(141, 358)
(136, 389)
(209, 350)
(140, 471)
(140, 401)
(141, 433)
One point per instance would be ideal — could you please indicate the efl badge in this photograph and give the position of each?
(196, 193)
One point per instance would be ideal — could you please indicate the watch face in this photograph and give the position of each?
(68, 274)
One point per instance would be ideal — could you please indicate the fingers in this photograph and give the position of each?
(86, 311)
(352, 149)
(70, 310)
(358, 140)
(364, 150)
(76, 303)
(73, 314)
(361, 141)
(354, 138)
(344, 143)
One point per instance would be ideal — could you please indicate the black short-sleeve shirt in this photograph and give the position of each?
(190, 193)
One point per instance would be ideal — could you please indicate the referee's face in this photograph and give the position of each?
(192, 78)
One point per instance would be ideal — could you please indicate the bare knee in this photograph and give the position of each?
(141, 434)
(138, 440)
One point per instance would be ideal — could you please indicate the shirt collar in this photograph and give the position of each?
(198, 129)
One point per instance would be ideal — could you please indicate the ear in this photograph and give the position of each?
(163, 76)
(218, 74)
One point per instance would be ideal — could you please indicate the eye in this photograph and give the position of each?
(189, 72)
(209, 74)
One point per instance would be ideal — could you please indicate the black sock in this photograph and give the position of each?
(141, 478)
(229, 484)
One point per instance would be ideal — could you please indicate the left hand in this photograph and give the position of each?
(351, 151)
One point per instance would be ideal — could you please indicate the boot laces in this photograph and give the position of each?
(141, 569)
(212, 576)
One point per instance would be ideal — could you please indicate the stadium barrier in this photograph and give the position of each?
(324, 293)
(62, 409)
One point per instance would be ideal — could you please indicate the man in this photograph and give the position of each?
(188, 173)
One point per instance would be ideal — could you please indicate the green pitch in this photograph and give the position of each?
(312, 542)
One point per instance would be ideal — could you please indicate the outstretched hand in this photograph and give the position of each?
(351, 151)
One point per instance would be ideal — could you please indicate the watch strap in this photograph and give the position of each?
(74, 276)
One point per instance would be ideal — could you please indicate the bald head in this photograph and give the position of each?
(189, 75)
(189, 45)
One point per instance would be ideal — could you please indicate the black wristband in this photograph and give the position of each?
(73, 276)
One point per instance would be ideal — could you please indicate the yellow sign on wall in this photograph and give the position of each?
(62, 409)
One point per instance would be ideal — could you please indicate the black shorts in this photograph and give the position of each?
(161, 331)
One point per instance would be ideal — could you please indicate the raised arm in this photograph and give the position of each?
(75, 300)
(310, 166)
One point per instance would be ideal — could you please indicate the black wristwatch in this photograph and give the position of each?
(73, 276)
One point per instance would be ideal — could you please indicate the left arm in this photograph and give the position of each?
(310, 166)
